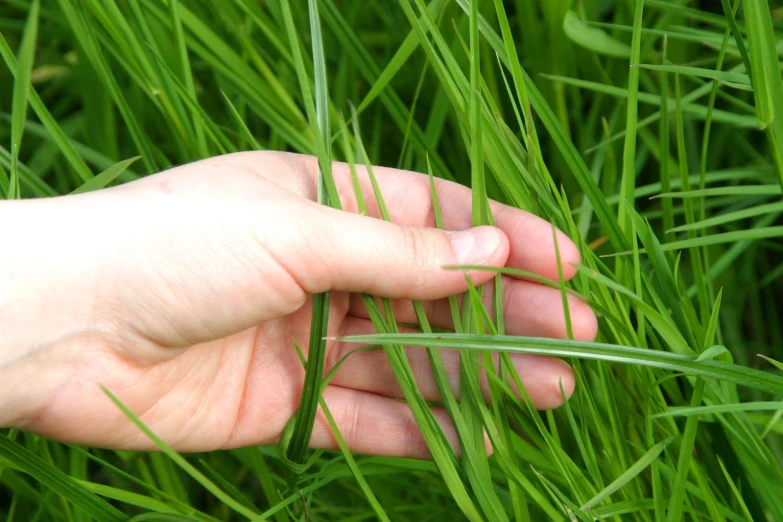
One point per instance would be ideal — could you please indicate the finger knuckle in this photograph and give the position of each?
(420, 251)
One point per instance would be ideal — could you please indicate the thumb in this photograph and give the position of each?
(354, 253)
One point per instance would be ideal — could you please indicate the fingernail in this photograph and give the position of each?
(474, 246)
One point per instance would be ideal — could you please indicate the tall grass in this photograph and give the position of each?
(651, 131)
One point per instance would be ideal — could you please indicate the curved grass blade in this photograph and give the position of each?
(28, 462)
(170, 500)
(722, 76)
(726, 237)
(180, 461)
(638, 466)
(697, 110)
(107, 176)
(130, 498)
(713, 370)
(593, 38)
(741, 190)
(712, 352)
(163, 517)
(718, 239)
(721, 408)
(731, 217)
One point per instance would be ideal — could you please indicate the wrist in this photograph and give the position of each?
(45, 303)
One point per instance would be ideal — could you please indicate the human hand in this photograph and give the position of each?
(182, 293)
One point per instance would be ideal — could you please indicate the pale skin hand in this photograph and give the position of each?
(182, 293)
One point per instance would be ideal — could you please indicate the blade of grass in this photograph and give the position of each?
(712, 74)
(695, 109)
(731, 217)
(628, 179)
(85, 36)
(740, 190)
(563, 143)
(695, 253)
(181, 462)
(767, 83)
(668, 216)
(21, 94)
(401, 368)
(106, 177)
(717, 239)
(714, 370)
(317, 106)
(28, 462)
(674, 512)
(186, 71)
(373, 501)
(735, 490)
(594, 38)
(632, 472)
(739, 41)
(720, 408)
(478, 184)
(241, 122)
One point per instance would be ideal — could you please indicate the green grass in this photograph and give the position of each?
(650, 131)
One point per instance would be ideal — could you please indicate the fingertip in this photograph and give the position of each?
(503, 251)
(488, 444)
(561, 385)
(451, 434)
(584, 323)
(483, 245)
(442, 416)
(535, 244)
(542, 377)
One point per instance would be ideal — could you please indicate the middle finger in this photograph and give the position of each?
(530, 309)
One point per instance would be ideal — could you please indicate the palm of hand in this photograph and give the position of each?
(237, 391)
(234, 391)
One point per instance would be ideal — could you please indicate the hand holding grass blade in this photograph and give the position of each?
(183, 295)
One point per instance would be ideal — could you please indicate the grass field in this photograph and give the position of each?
(651, 131)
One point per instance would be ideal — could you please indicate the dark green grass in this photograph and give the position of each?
(651, 132)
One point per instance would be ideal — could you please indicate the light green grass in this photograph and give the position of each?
(650, 131)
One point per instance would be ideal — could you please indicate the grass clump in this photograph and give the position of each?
(649, 130)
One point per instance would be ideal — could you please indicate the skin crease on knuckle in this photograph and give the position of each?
(414, 250)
